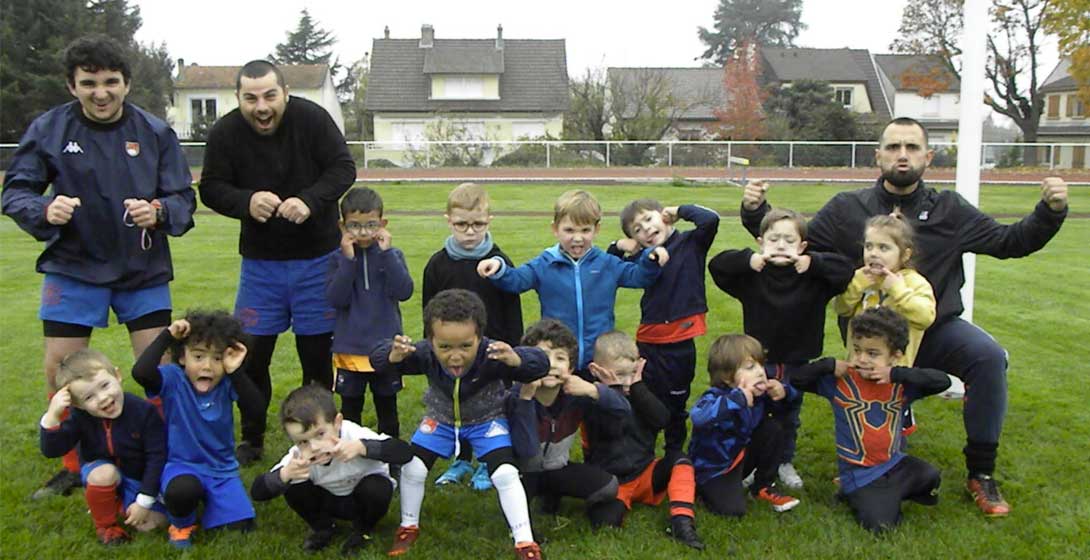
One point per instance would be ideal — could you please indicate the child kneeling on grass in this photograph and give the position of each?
(868, 401)
(336, 469)
(121, 442)
(464, 401)
(197, 392)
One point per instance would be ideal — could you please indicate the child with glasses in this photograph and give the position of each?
(455, 266)
(367, 279)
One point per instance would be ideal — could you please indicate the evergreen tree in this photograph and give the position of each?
(308, 44)
(772, 23)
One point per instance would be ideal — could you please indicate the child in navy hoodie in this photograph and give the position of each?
(367, 279)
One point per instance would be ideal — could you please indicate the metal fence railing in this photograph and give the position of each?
(673, 153)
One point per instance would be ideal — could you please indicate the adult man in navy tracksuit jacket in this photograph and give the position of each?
(947, 227)
(120, 185)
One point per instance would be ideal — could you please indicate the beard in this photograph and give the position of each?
(902, 179)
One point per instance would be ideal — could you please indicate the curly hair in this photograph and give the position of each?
(94, 53)
(455, 305)
(557, 334)
(883, 323)
(216, 329)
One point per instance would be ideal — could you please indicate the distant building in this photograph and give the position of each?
(923, 88)
(1064, 119)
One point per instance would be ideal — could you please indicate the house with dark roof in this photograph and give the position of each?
(1064, 118)
(923, 88)
(428, 88)
(204, 93)
(696, 94)
(852, 74)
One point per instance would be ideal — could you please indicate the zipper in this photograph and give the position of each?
(579, 306)
(457, 417)
(107, 425)
(366, 280)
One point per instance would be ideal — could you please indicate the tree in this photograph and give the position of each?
(742, 117)
(308, 44)
(587, 115)
(358, 122)
(644, 106)
(808, 111)
(1070, 21)
(34, 34)
(935, 27)
(773, 23)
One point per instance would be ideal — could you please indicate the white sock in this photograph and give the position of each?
(512, 502)
(413, 475)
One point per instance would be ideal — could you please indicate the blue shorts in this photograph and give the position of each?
(129, 487)
(67, 300)
(225, 498)
(485, 437)
(354, 383)
(276, 295)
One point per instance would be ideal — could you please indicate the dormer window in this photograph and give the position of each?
(464, 86)
(843, 96)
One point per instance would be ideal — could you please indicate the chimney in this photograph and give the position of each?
(181, 66)
(499, 37)
(427, 36)
(386, 32)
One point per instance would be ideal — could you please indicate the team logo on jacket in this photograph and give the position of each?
(72, 148)
(428, 425)
(132, 148)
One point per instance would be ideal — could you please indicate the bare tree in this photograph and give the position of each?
(644, 104)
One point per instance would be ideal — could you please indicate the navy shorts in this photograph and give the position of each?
(67, 300)
(274, 296)
(225, 498)
(354, 383)
(128, 487)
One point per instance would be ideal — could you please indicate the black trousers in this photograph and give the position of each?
(574, 480)
(364, 507)
(724, 494)
(669, 374)
(877, 506)
(315, 357)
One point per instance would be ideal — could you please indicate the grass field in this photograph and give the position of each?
(1036, 307)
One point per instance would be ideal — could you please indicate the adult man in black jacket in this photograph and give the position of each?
(947, 226)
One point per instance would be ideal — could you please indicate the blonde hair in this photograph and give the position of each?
(898, 229)
(468, 196)
(727, 354)
(579, 206)
(81, 365)
(613, 346)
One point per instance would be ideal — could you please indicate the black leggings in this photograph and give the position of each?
(724, 494)
(315, 357)
(575, 480)
(877, 506)
(364, 507)
(494, 459)
(385, 410)
(184, 493)
(611, 513)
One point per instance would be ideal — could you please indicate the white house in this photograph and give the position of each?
(1064, 119)
(921, 87)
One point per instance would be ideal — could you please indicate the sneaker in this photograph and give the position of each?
(248, 453)
(985, 492)
(457, 471)
(790, 477)
(61, 484)
(355, 543)
(748, 480)
(908, 425)
(403, 540)
(780, 503)
(956, 390)
(317, 540)
(181, 537)
(481, 481)
(112, 535)
(683, 529)
(528, 551)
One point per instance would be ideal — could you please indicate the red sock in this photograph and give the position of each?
(104, 504)
(682, 489)
(70, 460)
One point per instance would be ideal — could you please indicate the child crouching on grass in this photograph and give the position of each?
(197, 392)
(121, 442)
(335, 469)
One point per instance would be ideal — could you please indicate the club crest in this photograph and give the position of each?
(132, 148)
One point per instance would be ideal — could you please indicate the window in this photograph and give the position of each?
(411, 133)
(463, 87)
(201, 109)
(1054, 106)
(844, 97)
(1075, 108)
(528, 130)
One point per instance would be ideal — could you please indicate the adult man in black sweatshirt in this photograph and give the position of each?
(946, 226)
(279, 165)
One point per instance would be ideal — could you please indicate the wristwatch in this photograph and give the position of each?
(160, 213)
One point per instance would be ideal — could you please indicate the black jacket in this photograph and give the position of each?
(624, 446)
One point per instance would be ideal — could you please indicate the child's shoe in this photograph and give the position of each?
(789, 476)
(112, 535)
(355, 543)
(528, 551)
(780, 503)
(481, 481)
(247, 453)
(748, 480)
(457, 471)
(181, 537)
(985, 492)
(60, 484)
(403, 540)
(683, 529)
(317, 540)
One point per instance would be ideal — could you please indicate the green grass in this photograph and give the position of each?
(1036, 307)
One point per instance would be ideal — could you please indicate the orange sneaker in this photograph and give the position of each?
(528, 550)
(985, 492)
(780, 503)
(403, 540)
(112, 535)
(181, 537)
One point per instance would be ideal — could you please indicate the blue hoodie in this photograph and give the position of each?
(365, 292)
(580, 294)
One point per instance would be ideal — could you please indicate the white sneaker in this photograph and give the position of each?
(790, 477)
(748, 481)
(956, 390)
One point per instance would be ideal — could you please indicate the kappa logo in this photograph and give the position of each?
(132, 148)
(72, 148)
(496, 429)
